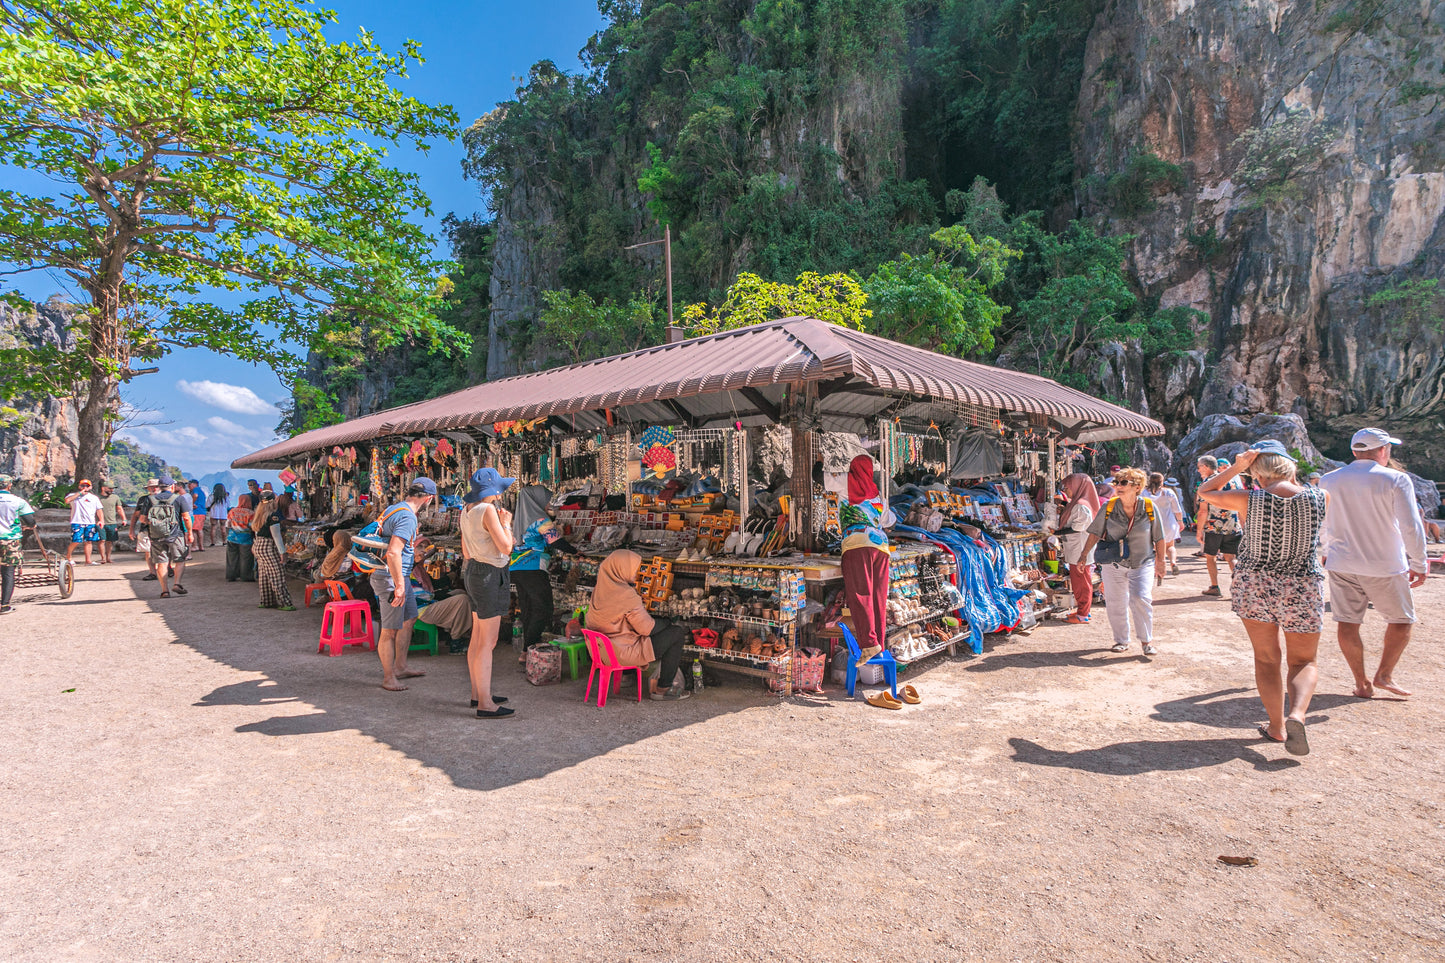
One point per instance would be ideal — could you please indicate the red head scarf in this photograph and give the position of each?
(860, 480)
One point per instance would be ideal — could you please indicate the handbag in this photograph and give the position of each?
(544, 664)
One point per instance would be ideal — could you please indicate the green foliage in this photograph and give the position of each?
(658, 180)
(835, 298)
(941, 300)
(1276, 156)
(578, 328)
(200, 144)
(1004, 78)
(130, 466)
(1414, 307)
(1171, 331)
(1133, 190)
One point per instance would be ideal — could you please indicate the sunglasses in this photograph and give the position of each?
(1126, 484)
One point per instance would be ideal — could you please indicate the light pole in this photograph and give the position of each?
(666, 243)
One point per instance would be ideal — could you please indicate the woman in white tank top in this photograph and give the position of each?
(487, 548)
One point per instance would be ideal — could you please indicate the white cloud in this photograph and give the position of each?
(226, 426)
(236, 398)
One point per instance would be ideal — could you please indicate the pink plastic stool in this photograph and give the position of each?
(345, 623)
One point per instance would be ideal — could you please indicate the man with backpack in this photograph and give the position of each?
(167, 522)
(391, 581)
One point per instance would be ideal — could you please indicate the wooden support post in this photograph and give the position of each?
(803, 417)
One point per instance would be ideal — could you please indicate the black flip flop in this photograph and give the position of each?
(165, 595)
(497, 699)
(501, 712)
(1264, 734)
(1295, 741)
(181, 590)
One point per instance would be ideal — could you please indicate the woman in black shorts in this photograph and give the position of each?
(487, 548)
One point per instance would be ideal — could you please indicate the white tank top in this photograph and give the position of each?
(478, 541)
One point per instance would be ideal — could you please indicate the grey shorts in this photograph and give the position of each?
(393, 616)
(169, 550)
(1390, 594)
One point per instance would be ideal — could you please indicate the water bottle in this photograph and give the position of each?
(516, 635)
(697, 675)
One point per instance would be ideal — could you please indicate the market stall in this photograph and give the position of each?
(716, 459)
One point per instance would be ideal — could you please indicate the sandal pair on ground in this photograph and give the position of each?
(883, 699)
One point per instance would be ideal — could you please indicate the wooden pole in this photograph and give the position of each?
(667, 267)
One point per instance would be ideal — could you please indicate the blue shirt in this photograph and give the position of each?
(401, 524)
(532, 555)
(198, 499)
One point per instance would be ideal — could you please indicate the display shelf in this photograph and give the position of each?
(933, 651)
(926, 617)
(740, 659)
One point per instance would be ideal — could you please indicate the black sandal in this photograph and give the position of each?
(1264, 734)
(165, 595)
(181, 590)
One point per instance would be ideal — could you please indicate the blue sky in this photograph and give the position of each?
(208, 409)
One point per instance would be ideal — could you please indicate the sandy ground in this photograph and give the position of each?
(188, 780)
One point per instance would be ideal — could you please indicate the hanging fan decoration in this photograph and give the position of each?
(657, 454)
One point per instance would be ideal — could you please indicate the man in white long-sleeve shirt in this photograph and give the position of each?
(1374, 549)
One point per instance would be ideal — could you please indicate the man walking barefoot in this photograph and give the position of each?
(1217, 528)
(392, 584)
(1374, 549)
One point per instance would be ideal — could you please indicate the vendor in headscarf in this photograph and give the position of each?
(637, 638)
(1081, 504)
(865, 557)
(335, 559)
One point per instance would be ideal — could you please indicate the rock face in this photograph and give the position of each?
(38, 435)
(1284, 252)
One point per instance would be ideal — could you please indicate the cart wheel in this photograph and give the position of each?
(65, 578)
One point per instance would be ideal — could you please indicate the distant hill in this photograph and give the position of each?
(130, 467)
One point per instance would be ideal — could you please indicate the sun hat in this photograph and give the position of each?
(422, 486)
(1270, 446)
(1368, 439)
(487, 482)
(1171, 481)
(153, 483)
(1312, 476)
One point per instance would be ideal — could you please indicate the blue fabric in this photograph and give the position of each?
(245, 537)
(198, 497)
(401, 524)
(531, 555)
(988, 601)
(984, 496)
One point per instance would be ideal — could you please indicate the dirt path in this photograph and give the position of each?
(213, 789)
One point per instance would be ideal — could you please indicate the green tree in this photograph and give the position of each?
(581, 328)
(835, 298)
(941, 300)
(199, 145)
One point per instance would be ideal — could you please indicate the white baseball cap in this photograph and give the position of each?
(1368, 439)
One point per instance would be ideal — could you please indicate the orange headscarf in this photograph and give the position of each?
(616, 591)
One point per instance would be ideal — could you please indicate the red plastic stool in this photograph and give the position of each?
(315, 591)
(346, 623)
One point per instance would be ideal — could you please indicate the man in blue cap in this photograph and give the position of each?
(1373, 542)
(1217, 528)
(392, 583)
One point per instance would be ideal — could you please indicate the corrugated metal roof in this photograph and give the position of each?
(778, 352)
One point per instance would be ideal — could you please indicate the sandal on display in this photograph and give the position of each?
(910, 695)
(883, 700)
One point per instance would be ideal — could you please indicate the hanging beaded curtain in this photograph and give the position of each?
(711, 452)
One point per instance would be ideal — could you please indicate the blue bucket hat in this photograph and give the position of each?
(487, 482)
(1269, 446)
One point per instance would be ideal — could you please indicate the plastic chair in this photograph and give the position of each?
(346, 623)
(884, 658)
(576, 650)
(333, 590)
(427, 633)
(597, 643)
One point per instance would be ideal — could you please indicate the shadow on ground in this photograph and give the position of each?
(1135, 758)
(311, 693)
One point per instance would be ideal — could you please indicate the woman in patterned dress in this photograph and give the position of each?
(1278, 582)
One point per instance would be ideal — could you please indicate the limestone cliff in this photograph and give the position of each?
(37, 432)
(1309, 135)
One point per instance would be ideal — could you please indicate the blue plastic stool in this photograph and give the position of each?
(428, 634)
(884, 658)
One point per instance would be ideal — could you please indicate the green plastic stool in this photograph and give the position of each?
(577, 657)
(428, 635)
